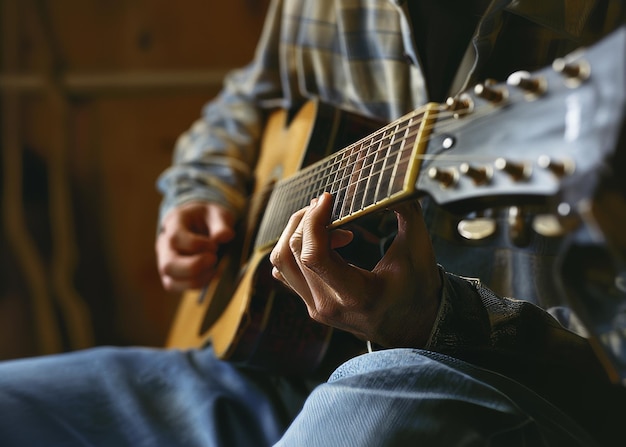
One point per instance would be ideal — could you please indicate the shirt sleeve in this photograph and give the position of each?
(214, 159)
(475, 324)
(525, 343)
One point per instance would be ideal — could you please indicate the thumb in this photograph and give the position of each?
(220, 223)
(412, 241)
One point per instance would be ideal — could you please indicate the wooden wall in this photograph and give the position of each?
(94, 94)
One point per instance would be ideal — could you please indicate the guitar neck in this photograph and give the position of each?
(365, 176)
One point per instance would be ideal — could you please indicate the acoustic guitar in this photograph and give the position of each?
(530, 140)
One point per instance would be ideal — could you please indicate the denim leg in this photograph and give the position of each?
(407, 397)
(135, 397)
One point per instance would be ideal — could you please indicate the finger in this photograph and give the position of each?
(316, 253)
(281, 257)
(340, 238)
(331, 281)
(176, 285)
(411, 253)
(220, 223)
(412, 238)
(186, 267)
(181, 238)
(188, 243)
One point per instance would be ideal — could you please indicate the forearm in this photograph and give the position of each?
(212, 163)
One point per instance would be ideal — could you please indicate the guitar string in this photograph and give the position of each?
(334, 167)
(378, 136)
(307, 184)
(304, 189)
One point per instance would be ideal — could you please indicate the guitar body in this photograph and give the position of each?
(243, 313)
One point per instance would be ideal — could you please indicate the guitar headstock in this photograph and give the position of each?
(522, 141)
(555, 138)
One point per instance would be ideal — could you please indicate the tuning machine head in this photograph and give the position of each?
(574, 72)
(533, 87)
(519, 171)
(497, 96)
(446, 178)
(459, 105)
(559, 168)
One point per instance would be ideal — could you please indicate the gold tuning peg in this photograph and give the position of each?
(574, 72)
(558, 168)
(518, 171)
(459, 105)
(445, 177)
(491, 94)
(477, 228)
(518, 227)
(480, 175)
(532, 86)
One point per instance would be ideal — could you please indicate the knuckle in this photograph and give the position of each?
(295, 242)
(275, 258)
(325, 314)
(314, 263)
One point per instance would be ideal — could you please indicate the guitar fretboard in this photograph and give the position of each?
(366, 175)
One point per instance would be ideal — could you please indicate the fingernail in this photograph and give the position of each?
(314, 202)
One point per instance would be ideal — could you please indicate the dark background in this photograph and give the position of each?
(94, 95)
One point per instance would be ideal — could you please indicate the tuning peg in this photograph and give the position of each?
(532, 86)
(460, 105)
(518, 171)
(518, 227)
(480, 175)
(548, 225)
(477, 228)
(445, 177)
(493, 95)
(574, 72)
(558, 168)
(562, 221)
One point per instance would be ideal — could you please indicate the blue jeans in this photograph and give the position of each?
(408, 397)
(149, 397)
(115, 397)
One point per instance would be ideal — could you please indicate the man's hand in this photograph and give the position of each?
(187, 244)
(393, 305)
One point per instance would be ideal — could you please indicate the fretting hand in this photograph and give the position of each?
(395, 304)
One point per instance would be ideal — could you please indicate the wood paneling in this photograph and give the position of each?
(95, 92)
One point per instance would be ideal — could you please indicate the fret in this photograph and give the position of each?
(330, 174)
(281, 217)
(344, 192)
(379, 167)
(366, 155)
(378, 158)
(291, 197)
(388, 162)
(356, 164)
(343, 177)
(339, 166)
(397, 177)
(320, 183)
(308, 188)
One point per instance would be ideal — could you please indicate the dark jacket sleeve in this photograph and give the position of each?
(522, 341)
